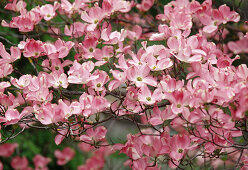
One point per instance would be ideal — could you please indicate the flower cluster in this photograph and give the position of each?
(171, 74)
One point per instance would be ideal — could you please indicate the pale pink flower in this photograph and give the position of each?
(136, 33)
(16, 6)
(88, 48)
(179, 100)
(62, 133)
(145, 5)
(121, 5)
(93, 104)
(48, 11)
(59, 49)
(145, 96)
(23, 81)
(119, 78)
(104, 55)
(75, 30)
(71, 8)
(113, 37)
(94, 135)
(26, 21)
(81, 74)
(75, 108)
(240, 46)
(93, 17)
(6, 57)
(58, 80)
(4, 85)
(98, 83)
(12, 116)
(140, 76)
(5, 69)
(50, 113)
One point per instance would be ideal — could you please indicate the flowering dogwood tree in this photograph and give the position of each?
(170, 70)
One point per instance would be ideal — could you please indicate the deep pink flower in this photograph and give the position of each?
(41, 162)
(159, 116)
(33, 48)
(1, 165)
(179, 144)
(64, 156)
(7, 149)
(19, 163)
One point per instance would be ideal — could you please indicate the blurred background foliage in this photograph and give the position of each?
(40, 141)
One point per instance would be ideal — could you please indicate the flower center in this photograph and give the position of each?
(180, 151)
(179, 105)
(96, 21)
(91, 49)
(98, 85)
(148, 98)
(139, 78)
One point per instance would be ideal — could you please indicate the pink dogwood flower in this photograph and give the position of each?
(7, 149)
(93, 17)
(16, 6)
(6, 57)
(64, 156)
(20, 163)
(160, 116)
(145, 96)
(94, 135)
(5, 69)
(59, 49)
(119, 78)
(140, 76)
(48, 11)
(4, 85)
(81, 73)
(68, 110)
(26, 21)
(33, 48)
(41, 162)
(98, 83)
(77, 29)
(179, 145)
(12, 116)
(145, 5)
